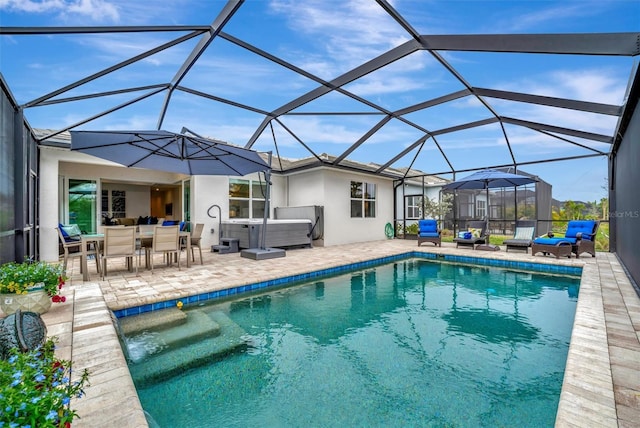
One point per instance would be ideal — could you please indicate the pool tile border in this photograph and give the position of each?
(478, 261)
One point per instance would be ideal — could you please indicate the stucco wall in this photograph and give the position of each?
(138, 198)
(306, 188)
(55, 163)
(329, 188)
(214, 190)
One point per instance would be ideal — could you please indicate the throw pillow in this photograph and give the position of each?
(71, 232)
(475, 232)
(461, 234)
(468, 235)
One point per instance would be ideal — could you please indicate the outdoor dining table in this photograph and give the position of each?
(98, 238)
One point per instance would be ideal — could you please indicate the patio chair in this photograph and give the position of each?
(119, 242)
(72, 245)
(475, 234)
(523, 236)
(584, 232)
(166, 240)
(428, 232)
(196, 238)
(579, 238)
(146, 239)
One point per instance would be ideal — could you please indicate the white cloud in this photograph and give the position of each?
(97, 10)
(541, 16)
(363, 32)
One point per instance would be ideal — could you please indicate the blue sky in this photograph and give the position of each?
(328, 38)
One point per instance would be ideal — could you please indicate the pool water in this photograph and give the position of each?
(411, 343)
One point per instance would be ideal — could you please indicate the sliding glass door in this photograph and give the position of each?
(80, 204)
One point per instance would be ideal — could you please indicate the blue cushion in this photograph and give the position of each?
(553, 241)
(169, 223)
(584, 226)
(70, 232)
(468, 235)
(428, 226)
(429, 235)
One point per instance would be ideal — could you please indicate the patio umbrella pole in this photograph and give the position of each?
(263, 253)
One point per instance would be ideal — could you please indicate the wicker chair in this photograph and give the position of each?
(585, 232)
(428, 232)
(579, 238)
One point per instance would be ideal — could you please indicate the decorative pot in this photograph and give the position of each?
(34, 301)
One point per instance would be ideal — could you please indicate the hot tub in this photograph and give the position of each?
(280, 233)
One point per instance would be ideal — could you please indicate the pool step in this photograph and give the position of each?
(153, 320)
(175, 360)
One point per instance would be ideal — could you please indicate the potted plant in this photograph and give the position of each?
(30, 286)
(36, 390)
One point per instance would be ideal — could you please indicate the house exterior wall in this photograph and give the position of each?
(339, 227)
(326, 187)
(138, 198)
(210, 190)
(56, 163)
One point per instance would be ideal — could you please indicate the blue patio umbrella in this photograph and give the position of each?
(489, 179)
(181, 153)
(169, 151)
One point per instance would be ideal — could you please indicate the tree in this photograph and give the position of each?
(430, 208)
(573, 210)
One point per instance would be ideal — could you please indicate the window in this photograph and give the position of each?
(363, 199)
(412, 207)
(246, 198)
(81, 204)
(481, 208)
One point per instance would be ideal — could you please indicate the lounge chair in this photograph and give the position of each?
(478, 235)
(579, 238)
(584, 232)
(428, 232)
(523, 236)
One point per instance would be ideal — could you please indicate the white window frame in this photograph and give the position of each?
(412, 207)
(481, 208)
(253, 184)
(367, 198)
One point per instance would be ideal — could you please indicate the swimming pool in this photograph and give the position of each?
(410, 343)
